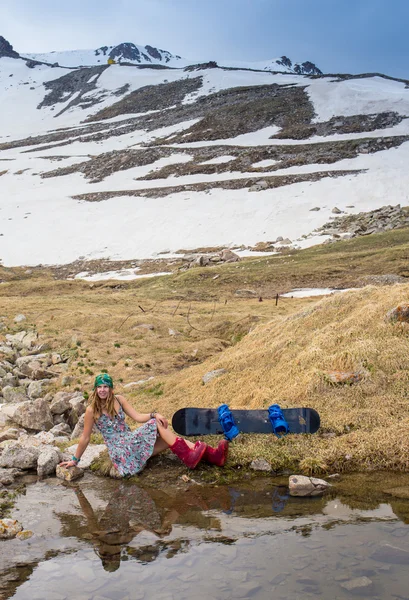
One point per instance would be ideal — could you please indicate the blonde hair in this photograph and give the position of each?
(99, 406)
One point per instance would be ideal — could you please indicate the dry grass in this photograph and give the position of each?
(271, 353)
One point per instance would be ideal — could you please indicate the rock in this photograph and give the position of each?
(61, 429)
(7, 476)
(69, 474)
(67, 380)
(92, 452)
(316, 208)
(36, 389)
(47, 462)
(19, 318)
(34, 415)
(300, 485)
(344, 377)
(212, 374)
(9, 528)
(260, 464)
(10, 380)
(358, 583)
(19, 457)
(56, 358)
(229, 256)
(35, 370)
(10, 434)
(30, 340)
(246, 293)
(41, 439)
(60, 404)
(173, 332)
(391, 555)
(336, 211)
(13, 395)
(399, 314)
(24, 535)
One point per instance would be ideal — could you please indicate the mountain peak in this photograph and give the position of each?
(6, 49)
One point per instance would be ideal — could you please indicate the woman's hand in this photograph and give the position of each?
(161, 420)
(68, 464)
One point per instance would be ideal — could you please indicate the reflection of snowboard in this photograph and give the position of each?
(205, 421)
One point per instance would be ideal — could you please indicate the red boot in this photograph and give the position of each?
(217, 456)
(190, 456)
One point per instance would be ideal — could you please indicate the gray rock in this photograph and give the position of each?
(260, 464)
(212, 374)
(92, 452)
(18, 457)
(47, 462)
(19, 318)
(34, 415)
(61, 429)
(300, 485)
(10, 434)
(14, 394)
(10, 380)
(36, 389)
(59, 405)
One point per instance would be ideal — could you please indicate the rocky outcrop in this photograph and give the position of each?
(6, 49)
(365, 223)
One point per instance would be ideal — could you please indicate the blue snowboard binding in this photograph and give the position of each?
(226, 420)
(278, 422)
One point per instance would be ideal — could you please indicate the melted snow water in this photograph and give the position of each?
(105, 539)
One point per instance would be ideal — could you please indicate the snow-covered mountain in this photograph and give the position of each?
(114, 161)
(129, 53)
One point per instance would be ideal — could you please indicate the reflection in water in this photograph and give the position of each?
(116, 540)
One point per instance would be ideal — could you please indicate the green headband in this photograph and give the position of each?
(103, 379)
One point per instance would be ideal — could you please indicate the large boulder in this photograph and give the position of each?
(36, 389)
(15, 456)
(48, 460)
(34, 415)
(92, 452)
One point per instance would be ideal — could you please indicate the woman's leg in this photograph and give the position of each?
(166, 438)
(189, 453)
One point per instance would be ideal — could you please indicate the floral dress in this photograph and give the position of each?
(128, 450)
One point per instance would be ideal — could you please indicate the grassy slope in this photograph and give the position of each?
(284, 358)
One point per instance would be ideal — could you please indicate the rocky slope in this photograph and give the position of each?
(187, 157)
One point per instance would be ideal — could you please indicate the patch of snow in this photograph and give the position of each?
(269, 162)
(309, 292)
(122, 274)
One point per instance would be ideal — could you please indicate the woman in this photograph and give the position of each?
(130, 450)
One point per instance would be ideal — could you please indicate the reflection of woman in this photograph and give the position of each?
(129, 511)
(129, 450)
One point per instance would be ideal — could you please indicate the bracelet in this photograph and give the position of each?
(153, 415)
(75, 459)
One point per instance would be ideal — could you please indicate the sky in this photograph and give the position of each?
(339, 36)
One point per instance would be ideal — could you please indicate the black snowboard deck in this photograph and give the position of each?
(205, 421)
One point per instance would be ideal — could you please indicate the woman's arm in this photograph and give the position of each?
(141, 417)
(84, 439)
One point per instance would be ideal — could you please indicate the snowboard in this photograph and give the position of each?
(205, 421)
